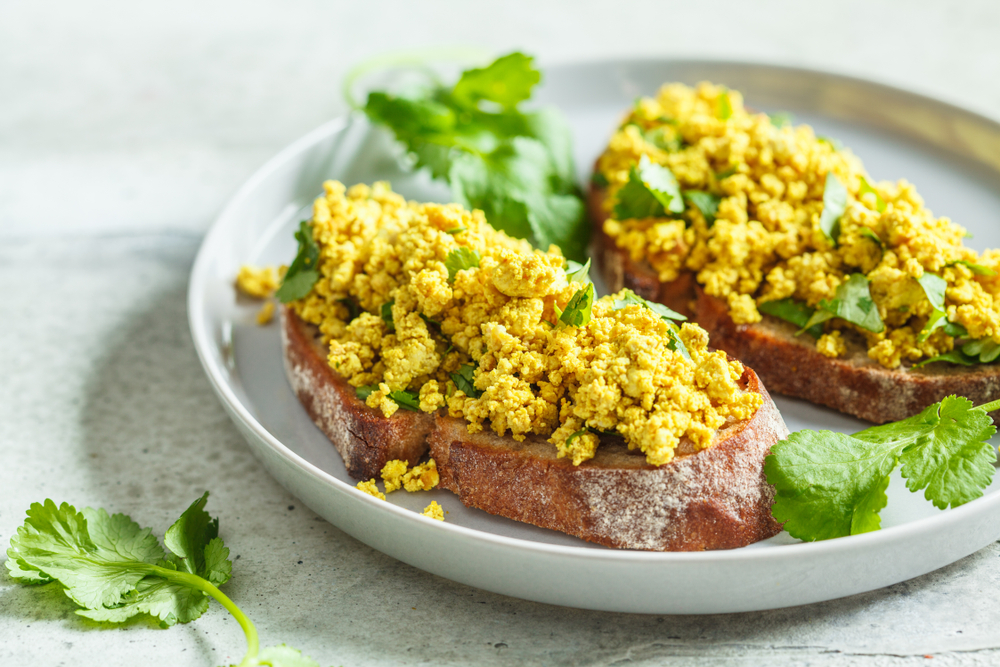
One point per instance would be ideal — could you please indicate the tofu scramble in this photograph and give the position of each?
(766, 242)
(399, 316)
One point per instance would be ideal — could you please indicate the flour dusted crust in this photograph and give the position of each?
(716, 498)
(789, 364)
(365, 439)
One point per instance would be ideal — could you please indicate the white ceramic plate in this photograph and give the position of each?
(953, 157)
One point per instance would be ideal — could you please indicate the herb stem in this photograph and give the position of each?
(989, 407)
(194, 581)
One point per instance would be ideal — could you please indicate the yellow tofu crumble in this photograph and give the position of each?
(257, 282)
(416, 326)
(434, 511)
(766, 242)
(371, 489)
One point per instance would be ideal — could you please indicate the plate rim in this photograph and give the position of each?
(203, 342)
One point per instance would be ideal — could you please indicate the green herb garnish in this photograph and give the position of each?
(405, 399)
(303, 272)
(386, 312)
(831, 484)
(459, 259)
(723, 107)
(599, 180)
(781, 119)
(650, 192)
(834, 205)
(865, 189)
(353, 309)
(455, 230)
(578, 309)
(866, 231)
(630, 298)
(464, 380)
(664, 138)
(574, 436)
(114, 569)
(726, 173)
(577, 272)
(852, 302)
(515, 165)
(796, 312)
(977, 269)
(705, 202)
(934, 287)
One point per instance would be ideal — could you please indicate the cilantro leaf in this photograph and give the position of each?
(832, 484)
(705, 202)
(197, 549)
(578, 309)
(867, 231)
(630, 298)
(790, 310)
(406, 399)
(865, 189)
(651, 191)
(507, 81)
(386, 312)
(302, 274)
(852, 302)
(353, 309)
(577, 272)
(455, 230)
(459, 259)
(675, 343)
(664, 138)
(934, 287)
(464, 380)
(984, 349)
(977, 269)
(364, 391)
(953, 357)
(599, 180)
(834, 205)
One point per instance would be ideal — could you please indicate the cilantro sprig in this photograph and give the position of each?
(650, 192)
(460, 259)
(515, 165)
(852, 302)
(114, 569)
(832, 484)
(630, 298)
(834, 205)
(579, 307)
(302, 274)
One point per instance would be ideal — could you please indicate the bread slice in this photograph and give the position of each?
(717, 498)
(791, 365)
(365, 439)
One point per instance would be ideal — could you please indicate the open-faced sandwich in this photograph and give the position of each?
(414, 329)
(844, 292)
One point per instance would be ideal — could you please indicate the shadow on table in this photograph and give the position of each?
(157, 437)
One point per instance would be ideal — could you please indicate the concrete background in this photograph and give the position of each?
(125, 126)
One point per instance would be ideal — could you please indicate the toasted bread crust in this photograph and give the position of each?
(791, 365)
(717, 498)
(365, 439)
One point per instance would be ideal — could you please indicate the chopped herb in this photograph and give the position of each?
(781, 119)
(459, 259)
(630, 298)
(364, 391)
(574, 436)
(515, 165)
(675, 343)
(934, 287)
(599, 180)
(866, 231)
(302, 274)
(705, 202)
(406, 399)
(723, 107)
(852, 302)
(650, 192)
(832, 484)
(834, 205)
(386, 311)
(790, 310)
(578, 309)
(431, 324)
(114, 569)
(353, 309)
(865, 189)
(455, 230)
(664, 138)
(722, 175)
(464, 380)
(577, 272)
(977, 269)
(984, 349)
(955, 356)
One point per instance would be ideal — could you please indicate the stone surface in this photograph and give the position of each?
(123, 130)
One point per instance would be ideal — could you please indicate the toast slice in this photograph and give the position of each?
(791, 365)
(365, 439)
(716, 498)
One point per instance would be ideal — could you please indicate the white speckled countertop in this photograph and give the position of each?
(124, 128)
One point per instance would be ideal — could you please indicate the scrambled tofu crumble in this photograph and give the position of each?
(398, 319)
(434, 511)
(766, 242)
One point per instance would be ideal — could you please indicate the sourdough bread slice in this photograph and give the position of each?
(365, 439)
(716, 498)
(791, 365)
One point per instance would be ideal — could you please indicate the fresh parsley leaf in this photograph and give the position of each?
(386, 312)
(577, 272)
(852, 302)
(578, 309)
(651, 191)
(459, 259)
(302, 274)
(115, 569)
(790, 310)
(723, 107)
(834, 205)
(705, 202)
(831, 484)
(977, 269)
(517, 167)
(781, 119)
(464, 380)
(630, 298)
(865, 189)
